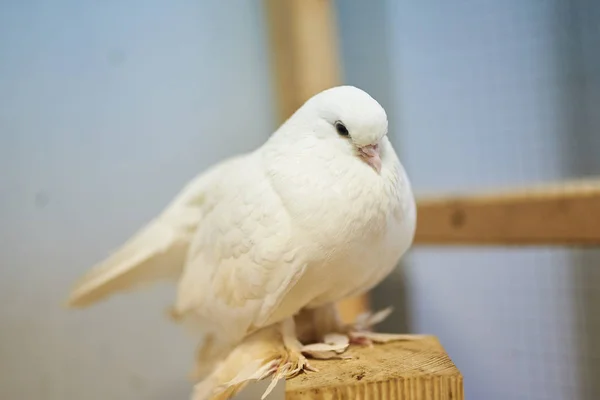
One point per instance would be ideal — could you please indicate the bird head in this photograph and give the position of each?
(350, 119)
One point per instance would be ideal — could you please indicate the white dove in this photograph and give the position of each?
(320, 212)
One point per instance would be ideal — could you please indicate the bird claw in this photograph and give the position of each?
(296, 364)
(288, 368)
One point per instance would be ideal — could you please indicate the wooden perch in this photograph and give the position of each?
(563, 214)
(416, 369)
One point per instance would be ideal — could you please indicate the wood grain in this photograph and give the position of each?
(417, 369)
(566, 213)
(304, 61)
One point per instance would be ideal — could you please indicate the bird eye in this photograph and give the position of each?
(341, 129)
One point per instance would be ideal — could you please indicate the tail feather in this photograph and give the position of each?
(155, 253)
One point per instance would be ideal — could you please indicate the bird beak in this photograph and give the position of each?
(370, 154)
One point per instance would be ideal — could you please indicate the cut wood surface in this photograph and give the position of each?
(416, 369)
(305, 61)
(566, 213)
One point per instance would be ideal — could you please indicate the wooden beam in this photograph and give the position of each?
(566, 213)
(304, 50)
(417, 369)
(305, 61)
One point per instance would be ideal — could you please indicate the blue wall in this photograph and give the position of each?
(482, 95)
(106, 110)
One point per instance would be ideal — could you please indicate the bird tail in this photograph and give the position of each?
(157, 252)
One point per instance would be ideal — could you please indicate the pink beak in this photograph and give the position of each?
(370, 154)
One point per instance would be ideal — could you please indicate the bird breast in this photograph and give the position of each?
(337, 201)
(350, 224)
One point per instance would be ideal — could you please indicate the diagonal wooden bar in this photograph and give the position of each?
(416, 369)
(565, 213)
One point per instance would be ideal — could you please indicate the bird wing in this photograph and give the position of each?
(156, 252)
(243, 259)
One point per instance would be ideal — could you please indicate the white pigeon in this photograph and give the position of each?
(320, 212)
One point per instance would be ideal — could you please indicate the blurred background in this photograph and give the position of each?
(108, 108)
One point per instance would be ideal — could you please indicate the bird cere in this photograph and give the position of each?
(263, 245)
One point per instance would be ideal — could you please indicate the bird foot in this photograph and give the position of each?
(295, 362)
(358, 333)
(361, 333)
(333, 345)
(287, 368)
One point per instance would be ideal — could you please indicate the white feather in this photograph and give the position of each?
(301, 222)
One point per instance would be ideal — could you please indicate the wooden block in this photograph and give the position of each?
(566, 213)
(416, 369)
